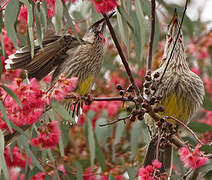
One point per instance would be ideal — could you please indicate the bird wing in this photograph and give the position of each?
(45, 59)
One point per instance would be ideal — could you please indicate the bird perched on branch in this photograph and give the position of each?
(65, 54)
(181, 92)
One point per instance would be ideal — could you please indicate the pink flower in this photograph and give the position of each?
(18, 158)
(48, 137)
(195, 70)
(104, 6)
(62, 87)
(32, 101)
(194, 159)
(22, 13)
(15, 174)
(148, 172)
(39, 176)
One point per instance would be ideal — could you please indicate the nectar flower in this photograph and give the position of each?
(104, 6)
(18, 159)
(150, 171)
(48, 136)
(194, 159)
(62, 87)
(30, 96)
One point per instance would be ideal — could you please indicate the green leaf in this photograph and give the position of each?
(91, 143)
(119, 133)
(3, 165)
(207, 103)
(64, 127)
(135, 137)
(79, 170)
(11, 14)
(140, 29)
(102, 133)
(38, 26)
(210, 51)
(43, 17)
(30, 24)
(12, 94)
(126, 17)
(23, 141)
(206, 148)
(58, 15)
(199, 127)
(5, 116)
(61, 146)
(100, 156)
(124, 32)
(69, 21)
(2, 50)
(62, 111)
(131, 173)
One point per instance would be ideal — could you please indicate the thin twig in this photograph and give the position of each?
(151, 38)
(124, 61)
(185, 126)
(158, 145)
(113, 122)
(106, 98)
(172, 51)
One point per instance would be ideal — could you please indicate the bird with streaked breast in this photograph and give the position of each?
(65, 55)
(182, 93)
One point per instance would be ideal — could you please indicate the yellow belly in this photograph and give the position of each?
(177, 107)
(85, 86)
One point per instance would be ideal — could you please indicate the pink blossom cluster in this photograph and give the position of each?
(104, 6)
(62, 87)
(18, 159)
(31, 97)
(192, 159)
(48, 136)
(150, 171)
(111, 108)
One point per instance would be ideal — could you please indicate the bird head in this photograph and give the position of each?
(96, 30)
(171, 36)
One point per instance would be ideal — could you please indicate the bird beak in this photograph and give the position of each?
(174, 20)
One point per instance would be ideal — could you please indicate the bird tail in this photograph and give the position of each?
(44, 60)
(165, 156)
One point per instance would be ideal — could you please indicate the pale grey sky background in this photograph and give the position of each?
(203, 6)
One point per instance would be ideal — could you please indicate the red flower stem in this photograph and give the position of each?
(124, 61)
(185, 126)
(151, 38)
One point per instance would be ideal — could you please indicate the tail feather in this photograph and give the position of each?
(165, 156)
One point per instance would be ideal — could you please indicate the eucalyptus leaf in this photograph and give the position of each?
(11, 13)
(3, 165)
(30, 24)
(12, 94)
(38, 25)
(135, 137)
(199, 127)
(23, 141)
(62, 111)
(5, 116)
(91, 143)
(58, 15)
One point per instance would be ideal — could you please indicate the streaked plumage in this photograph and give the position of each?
(64, 54)
(182, 91)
